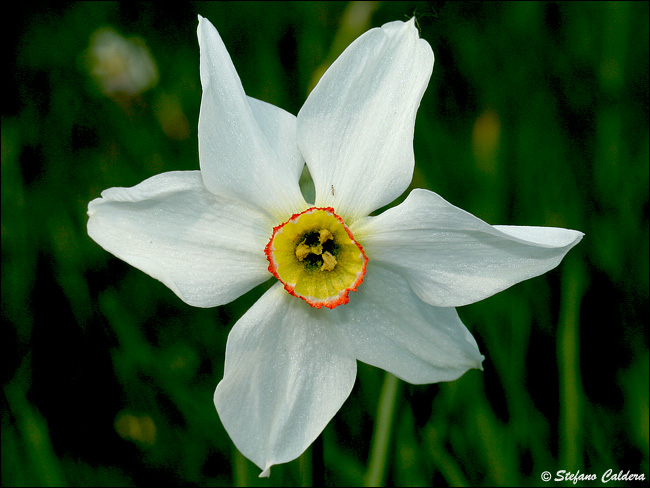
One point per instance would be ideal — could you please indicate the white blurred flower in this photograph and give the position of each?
(214, 234)
(121, 66)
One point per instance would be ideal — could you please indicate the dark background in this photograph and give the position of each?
(536, 114)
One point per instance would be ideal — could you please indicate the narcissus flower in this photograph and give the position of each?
(378, 289)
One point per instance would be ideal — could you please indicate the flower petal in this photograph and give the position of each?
(388, 326)
(287, 373)
(207, 249)
(247, 148)
(452, 258)
(356, 128)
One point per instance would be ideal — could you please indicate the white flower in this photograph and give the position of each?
(215, 234)
(121, 66)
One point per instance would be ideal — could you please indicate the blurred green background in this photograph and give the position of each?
(536, 114)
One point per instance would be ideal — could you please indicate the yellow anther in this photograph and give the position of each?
(302, 250)
(329, 262)
(317, 249)
(324, 235)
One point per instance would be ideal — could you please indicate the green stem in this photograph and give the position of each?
(569, 366)
(305, 462)
(381, 437)
(241, 469)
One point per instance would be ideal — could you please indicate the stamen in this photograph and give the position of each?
(302, 250)
(329, 262)
(324, 235)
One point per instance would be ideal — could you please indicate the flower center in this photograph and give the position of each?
(316, 257)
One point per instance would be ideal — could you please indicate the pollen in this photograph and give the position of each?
(316, 257)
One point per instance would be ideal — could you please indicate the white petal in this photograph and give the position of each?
(207, 249)
(451, 258)
(287, 373)
(388, 326)
(356, 127)
(247, 148)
